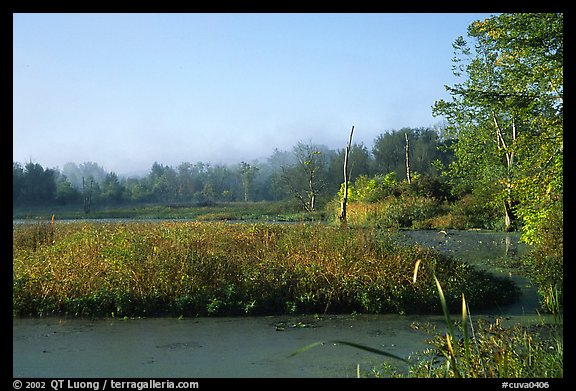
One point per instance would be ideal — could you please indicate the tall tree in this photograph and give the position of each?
(17, 182)
(163, 182)
(65, 192)
(112, 190)
(506, 114)
(87, 192)
(38, 184)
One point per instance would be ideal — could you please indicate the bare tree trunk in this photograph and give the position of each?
(311, 192)
(342, 216)
(509, 218)
(407, 149)
(312, 205)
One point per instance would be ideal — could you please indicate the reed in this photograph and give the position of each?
(490, 351)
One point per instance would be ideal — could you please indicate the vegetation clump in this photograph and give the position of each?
(216, 268)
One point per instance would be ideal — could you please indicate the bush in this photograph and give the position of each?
(545, 263)
(476, 212)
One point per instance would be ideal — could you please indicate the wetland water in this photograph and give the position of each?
(252, 346)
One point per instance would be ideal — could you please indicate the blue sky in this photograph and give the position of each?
(126, 90)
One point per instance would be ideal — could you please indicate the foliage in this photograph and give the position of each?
(359, 163)
(383, 201)
(545, 264)
(425, 146)
(540, 199)
(248, 172)
(365, 189)
(506, 115)
(33, 184)
(216, 269)
(306, 179)
(476, 211)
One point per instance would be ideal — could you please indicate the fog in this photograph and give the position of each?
(128, 90)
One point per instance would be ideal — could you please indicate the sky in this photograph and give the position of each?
(127, 90)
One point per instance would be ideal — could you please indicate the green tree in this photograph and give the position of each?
(425, 148)
(111, 189)
(17, 182)
(65, 192)
(506, 114)
(223, 181)
(38, 185)
(136, 190)
(185, 180)
(163, 182)
(247, 172)
(359, 162)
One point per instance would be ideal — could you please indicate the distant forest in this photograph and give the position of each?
(280, 177)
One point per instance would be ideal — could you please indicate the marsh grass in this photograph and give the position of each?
(487, 351)
(194, 268)
(34, 234)
(491, 350)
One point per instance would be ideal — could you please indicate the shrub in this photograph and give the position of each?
(476, 212)
(545, 264)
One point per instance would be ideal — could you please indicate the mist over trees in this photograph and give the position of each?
(310, 173)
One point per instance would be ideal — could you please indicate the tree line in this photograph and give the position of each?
(309, 173)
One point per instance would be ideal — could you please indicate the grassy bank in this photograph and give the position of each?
(194, 268)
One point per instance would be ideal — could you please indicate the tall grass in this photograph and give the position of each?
(492, 351)
(192, 268)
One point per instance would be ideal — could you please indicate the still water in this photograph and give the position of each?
(254, 346)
